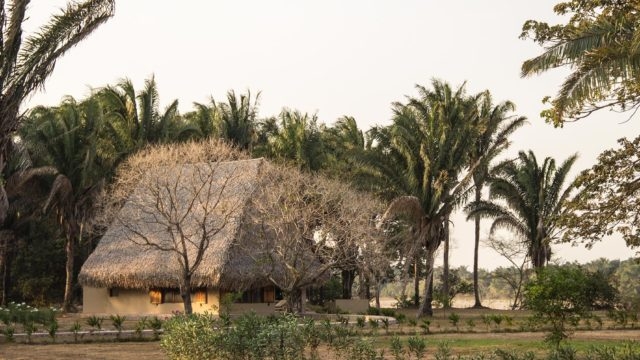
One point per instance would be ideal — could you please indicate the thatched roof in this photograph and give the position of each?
(120, 260)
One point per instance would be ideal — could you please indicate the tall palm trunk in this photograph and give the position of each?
(445, 285)
(476, 289)
(68, 284)
(425, 306)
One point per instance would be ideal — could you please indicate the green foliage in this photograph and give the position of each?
(425, 325)
(417, 345)
(454, 319)
(156, 325)
(190, 337)
(604, 204)
(533, 197)
(75, 329)
(95, 322)
(397, 350)
(53, 329)
(599, 42)
(560, 296)
(118, 322)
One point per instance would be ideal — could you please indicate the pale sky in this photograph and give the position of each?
(338, 57)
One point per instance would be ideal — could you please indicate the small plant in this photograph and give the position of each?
(497, 319)
(385, 325)
(396, 348)
(454, 319)
(140, 326)
(417, 345)
(75, 329)
(471, 324)
(360, 322)
(425, 325)
(487, 320)
(156, 325)
(29, 328)
(117, 322)
(508, 319)
(343, 320)
(53, 329)
(8, 332)
(373, 323)
(95, 322)
(362, 349)
(413, 322)
(444, 352)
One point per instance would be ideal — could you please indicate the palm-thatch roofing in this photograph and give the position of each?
(120, 260)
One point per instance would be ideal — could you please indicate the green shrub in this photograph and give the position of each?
(396, 348)
(95, 322)
(454, 319)
(417, 345)
(190, 337)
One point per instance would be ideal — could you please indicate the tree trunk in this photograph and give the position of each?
(68, 284)
(445, 285)
(293, 298)
(476, 288)
(185, 294)
(416, 281)
(378, 286)
(425, 307)
(347, 283)
(362, 293)
(3, 264)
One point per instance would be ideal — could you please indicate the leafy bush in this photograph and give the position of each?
(190, 337)
(561, 296)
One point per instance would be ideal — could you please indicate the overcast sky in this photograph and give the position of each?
(338, 57)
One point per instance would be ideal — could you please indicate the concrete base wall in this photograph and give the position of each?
(137, 302)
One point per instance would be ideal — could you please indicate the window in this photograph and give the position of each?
(114, 292)
(199, 296)
(155, 296)
(172, 296)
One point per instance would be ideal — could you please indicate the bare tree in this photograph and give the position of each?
(516, 253)
(177, 199)
(302, 225)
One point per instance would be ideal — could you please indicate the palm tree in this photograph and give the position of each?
(238, 119)
(533, 198)
(298, 140)
(494, 127)
(66, 138)
(134, 120)
(431, 137)
(600, 43)
(25, 63)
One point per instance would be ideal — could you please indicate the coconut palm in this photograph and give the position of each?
(66, 138)
(494, 126)
(430, 139)
(25, 63)
(532, 198)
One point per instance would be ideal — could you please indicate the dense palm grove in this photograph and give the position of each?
(440, 150)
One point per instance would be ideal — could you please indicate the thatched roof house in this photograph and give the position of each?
(124, 270)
